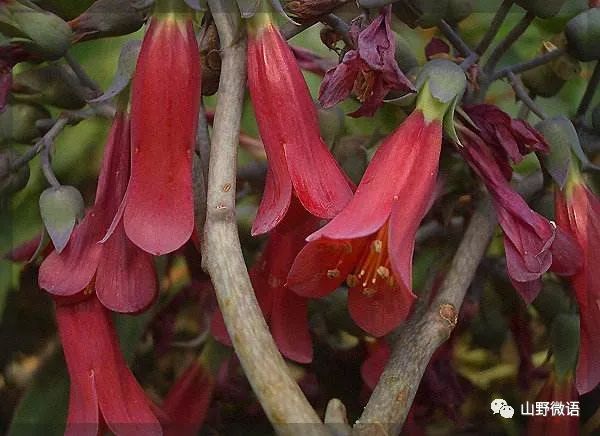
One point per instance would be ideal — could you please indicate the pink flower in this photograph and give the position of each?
(103, 389)
(532, 243)
(299, 162)
(122, 275)
(369, 72)
(158, 210)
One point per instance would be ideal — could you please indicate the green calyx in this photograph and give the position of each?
(175, 9)
(441, 85)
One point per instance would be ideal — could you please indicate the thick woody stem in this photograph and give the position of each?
(281, 398)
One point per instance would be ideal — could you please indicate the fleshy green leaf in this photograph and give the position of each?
(564, 337)
(558, 134)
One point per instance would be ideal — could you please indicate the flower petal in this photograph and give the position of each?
(339, 81)
(188, 400)
(159, 214)
(318, 181)
(384, 178)
(323, 265)
(125, 279)
(379, 313)
(289, 325)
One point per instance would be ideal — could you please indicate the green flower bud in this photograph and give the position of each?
(421, 13)
(42, 32)
(583, 35)
(542, 8)
(108, 18)
(548, 79)
(51, 84)
(458, 10)
(11, 182)
(18, 123)
(331, 123)
(350, 152)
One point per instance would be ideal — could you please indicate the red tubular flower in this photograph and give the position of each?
(555, 393)
(122, 275)
(532, 243)
(370, 243)
(578, 213)
(299, 162)
(158, 211)
(103, 389)
(188, 400)
(370, 71)
(285, 311)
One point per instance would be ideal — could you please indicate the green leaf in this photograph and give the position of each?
(60, 207)
(559, 136)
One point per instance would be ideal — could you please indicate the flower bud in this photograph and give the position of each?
(458, 10)
(583, 35)
(423, 13)
(331, 124)
(11, 182)
(108, 18)
(351, 153)
(210, 59)
(309, 9)
(548, 79)
(42, 32)
(18, 123)
(51, 84)
(542, 8)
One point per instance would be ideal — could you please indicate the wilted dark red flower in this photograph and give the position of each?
(578, 213)
(122, 275)
(158, 210)
(558, 394)
(369, 245)
(188, 400)
(284, 310)
(532, 243)
(103, 389)
(369, 71)
(299, 161)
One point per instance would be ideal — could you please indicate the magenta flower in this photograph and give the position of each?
(121, 274)
(532, 243)
(103, 389)
(369, 71)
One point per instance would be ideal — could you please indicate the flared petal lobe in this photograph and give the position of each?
(370, 243)
(290, 133)
(125, 280)
(101, 382)
(578, 213)
(159, 212)
(69, 272)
